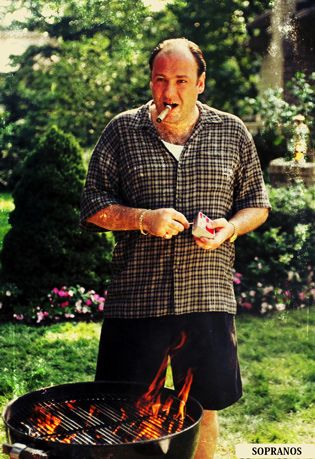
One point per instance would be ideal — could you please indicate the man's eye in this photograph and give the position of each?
(160, 79)
(182, 81)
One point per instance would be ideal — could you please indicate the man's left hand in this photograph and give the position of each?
(223, 231)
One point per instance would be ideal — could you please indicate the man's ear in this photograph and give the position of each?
(201, 83)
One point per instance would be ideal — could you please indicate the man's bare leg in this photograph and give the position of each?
(209, 432)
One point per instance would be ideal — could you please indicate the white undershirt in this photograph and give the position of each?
(174, 149)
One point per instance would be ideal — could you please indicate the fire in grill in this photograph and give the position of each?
(104, 420)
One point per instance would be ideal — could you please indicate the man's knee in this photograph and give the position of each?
(209, 423)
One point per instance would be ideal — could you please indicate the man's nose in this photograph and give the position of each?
(170, 91)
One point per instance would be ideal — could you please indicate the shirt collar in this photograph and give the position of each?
(208, 115)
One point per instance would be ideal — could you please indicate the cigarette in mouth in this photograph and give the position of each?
(164, 113)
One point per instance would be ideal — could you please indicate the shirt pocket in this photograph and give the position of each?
(222, 178)
(215, 175)
(215, 182)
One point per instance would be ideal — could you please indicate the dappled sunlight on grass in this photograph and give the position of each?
(67, 332)
(6, 206)
(6, 202)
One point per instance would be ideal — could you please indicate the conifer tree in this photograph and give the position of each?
(45, 247)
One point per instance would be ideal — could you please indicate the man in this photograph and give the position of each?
(146, 182)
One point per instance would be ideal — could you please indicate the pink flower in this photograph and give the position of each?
(18, 316)
(64, 304)
(247, 305)
(237, 280)
(55, 290)
(302, 296)
(69, 316)
(100, 307)
(88, 302)
(40, 316)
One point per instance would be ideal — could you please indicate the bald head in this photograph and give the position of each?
(180, 45)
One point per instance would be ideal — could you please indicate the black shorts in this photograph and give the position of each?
(133, 350)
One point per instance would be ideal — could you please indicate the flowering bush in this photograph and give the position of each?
(8, 294)
(276, 260)
(75, 303)
(265, 298)
(66, 303)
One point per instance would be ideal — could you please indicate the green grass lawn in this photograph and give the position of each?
(277, 360)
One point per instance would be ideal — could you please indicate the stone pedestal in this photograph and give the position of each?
(283, 172)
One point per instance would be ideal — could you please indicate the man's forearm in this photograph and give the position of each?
(117, 218)
(158, 222)
(247, 220)
(122, 218)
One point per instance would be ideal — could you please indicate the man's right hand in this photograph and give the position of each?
(164, 223)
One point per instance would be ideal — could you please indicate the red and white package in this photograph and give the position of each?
(203, 226)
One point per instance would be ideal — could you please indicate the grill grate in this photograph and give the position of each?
(102, 419)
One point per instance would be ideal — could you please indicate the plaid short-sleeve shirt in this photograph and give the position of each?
(218, 173)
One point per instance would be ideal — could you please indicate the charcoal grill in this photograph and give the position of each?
(99, 420)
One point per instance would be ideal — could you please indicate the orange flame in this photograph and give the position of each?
(46, 421)
(92, 410)
(183, 339)
(69, 439)
(70, 405)
(150, 403)
(183, 395)
(153, 418)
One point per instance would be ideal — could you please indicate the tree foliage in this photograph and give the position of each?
(45, 247)
(276, 134)
(87, 71)
(94, 63)
(219, 28)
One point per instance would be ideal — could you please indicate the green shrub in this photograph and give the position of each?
(45, 248)
(276, 107)
(275, 262)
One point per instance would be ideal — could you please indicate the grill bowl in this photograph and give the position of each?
(180, 444)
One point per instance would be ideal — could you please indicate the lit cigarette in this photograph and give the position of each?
(164, 113)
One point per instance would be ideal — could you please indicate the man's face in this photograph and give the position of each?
(174, 81)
